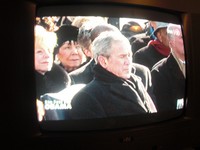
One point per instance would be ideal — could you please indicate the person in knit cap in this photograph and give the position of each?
(132, 28)
(68, 53)
(156, 49)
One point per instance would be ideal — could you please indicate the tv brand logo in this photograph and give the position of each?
(180, 103)
(126, 139)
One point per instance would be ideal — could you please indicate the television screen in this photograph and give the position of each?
(159, 32)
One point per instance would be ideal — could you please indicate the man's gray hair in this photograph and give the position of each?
(102, 28)
(102, 45)
(173, 30)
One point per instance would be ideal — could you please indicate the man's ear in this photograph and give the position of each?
(87, 52)
(102, 61)
(158, 35)
(171, 43)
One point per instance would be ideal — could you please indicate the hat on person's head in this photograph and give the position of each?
(160, 25)
(66, 33)
(133, 26)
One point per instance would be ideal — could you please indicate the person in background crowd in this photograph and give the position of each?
(142, 39)
(84, 37)
(155, 49)
(168, 75)
(115, 91)
(49, 23)
(132, 28)
(68, 52)
(64, 20)
(80, 20)
(85, 25)
(50, 77)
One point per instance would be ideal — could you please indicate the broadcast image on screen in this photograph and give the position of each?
(101, 70)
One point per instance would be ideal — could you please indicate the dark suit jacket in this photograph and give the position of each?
(108, 95)
(147, 56)
(84, 74)
(168, 84)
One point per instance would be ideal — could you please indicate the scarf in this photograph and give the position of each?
(159, 47)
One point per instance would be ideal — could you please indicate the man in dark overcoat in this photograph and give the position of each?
(168, 75)
(115, 90)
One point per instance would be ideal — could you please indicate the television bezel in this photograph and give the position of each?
(111, 10)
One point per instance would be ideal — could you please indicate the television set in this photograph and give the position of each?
(171, 130)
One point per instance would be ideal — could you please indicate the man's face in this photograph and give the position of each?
(120, 60)
(162, 36)
(177, 43)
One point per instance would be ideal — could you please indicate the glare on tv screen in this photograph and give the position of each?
(76, 91)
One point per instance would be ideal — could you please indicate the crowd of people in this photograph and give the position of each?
(112, 72)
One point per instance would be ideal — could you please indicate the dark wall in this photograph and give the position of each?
(17, 106)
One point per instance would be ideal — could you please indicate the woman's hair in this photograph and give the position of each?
(45, 38)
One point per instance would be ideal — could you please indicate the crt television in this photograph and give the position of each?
(170, 130)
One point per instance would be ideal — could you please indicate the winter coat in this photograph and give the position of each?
(168, 84)
(151, 54)
(108, 95)
(52, 81)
